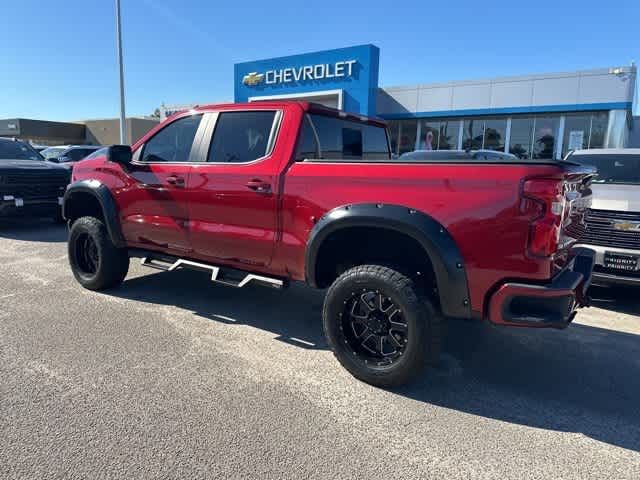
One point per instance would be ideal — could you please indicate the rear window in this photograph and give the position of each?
(333, 138)
(612, 168)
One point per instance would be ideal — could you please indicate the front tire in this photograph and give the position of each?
(379, 326)
(95, 261)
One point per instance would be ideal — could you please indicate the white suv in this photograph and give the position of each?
(613, 222)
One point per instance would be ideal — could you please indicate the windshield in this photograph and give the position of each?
(52, 152)
(612, 168)
(13, 150)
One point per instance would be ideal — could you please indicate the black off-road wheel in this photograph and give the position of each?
(95, 261)
(379, 326)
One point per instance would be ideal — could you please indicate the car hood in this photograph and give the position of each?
(30, 165)
(621, 198)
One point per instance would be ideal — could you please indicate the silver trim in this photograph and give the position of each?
(215, 272)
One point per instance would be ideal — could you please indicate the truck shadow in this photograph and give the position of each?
(582, 380)
(33, 230)
(621, 299)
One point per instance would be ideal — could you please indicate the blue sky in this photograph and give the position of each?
(57, 57)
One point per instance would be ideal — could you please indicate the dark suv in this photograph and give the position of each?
(29, 185)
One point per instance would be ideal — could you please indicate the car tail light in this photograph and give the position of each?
(544, 200)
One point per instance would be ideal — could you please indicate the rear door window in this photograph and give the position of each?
(242, 137)
(347, 140)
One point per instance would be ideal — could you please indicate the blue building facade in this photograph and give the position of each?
(345, 78)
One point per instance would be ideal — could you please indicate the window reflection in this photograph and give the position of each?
(521, 133)
(577, 127)
(599, 123)
(544, 136)
(430, 136)
(495, 133)
(394, 132)
(407, 136)
(473, 134)
(449, 132)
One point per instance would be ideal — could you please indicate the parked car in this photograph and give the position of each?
(271, 192)
(613, 222)
(29, 186)
(68, 153)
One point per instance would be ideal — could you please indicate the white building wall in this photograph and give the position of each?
(598, 86)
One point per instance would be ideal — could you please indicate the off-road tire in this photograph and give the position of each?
(424, 336)
(112, 263)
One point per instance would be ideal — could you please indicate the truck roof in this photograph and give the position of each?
(306, 106)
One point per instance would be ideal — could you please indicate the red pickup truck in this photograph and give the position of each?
(279, 191)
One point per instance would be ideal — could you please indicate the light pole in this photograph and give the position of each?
(123, 119)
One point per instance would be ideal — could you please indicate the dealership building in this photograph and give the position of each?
(532, 116)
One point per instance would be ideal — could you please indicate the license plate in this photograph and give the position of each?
(621, 261)
(19, 202)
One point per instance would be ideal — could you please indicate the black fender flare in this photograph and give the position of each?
(437, 242)
(107, 203)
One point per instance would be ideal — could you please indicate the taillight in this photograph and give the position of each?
(544, 200)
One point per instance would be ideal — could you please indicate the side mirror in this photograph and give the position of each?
(120, 154)
(62, 159)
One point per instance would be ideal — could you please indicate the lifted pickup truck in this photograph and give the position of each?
(272, 192)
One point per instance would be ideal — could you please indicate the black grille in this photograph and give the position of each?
(600, 229)
(32, 178)
(34, 186)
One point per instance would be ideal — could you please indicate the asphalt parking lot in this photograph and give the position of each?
(171, 376)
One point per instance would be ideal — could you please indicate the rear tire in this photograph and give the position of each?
(379, 326)
(95, 261)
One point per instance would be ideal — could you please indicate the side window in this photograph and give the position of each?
(173, 143)
(376, 145)
(307, 144)
(351, 142)
(348, 140)
(241, 137)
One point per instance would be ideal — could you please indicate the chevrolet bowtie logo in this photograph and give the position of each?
(627, 226)
(253, 79)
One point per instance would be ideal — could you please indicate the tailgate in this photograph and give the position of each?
(577, 193)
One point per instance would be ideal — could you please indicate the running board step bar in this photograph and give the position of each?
(218, 274)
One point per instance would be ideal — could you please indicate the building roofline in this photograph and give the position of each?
(615, 70)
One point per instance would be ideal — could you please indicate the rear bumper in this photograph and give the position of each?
(18, 207)
(607, 276)
(545, 306)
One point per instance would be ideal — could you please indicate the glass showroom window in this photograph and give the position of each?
(544, 136)
(599, 123)
(577, 127)
(429, 135)
(449, 133)
(495, 134)
(521, 134)
(394, 133)
(407, 136)
(473, 134)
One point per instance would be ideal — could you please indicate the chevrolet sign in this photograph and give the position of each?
(322, 71)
